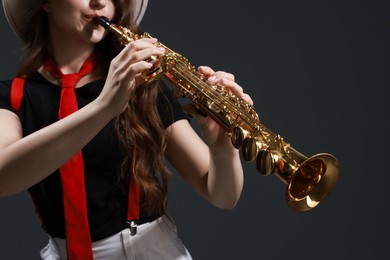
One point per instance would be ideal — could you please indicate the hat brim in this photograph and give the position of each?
(13, 9)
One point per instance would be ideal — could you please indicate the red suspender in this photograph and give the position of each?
(17, 89)
(134, 198)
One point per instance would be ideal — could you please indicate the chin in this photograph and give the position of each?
(97, 36)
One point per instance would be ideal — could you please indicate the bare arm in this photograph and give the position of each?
(215, 173)
(25, 161)
(212, 167)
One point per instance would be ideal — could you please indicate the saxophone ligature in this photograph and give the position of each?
(309, 180)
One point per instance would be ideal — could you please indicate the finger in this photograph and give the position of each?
(217, 77)
(142, 54)
(141, 44)
(232, 85)
(136, 46)
(205, 70)
(127, 53)
(247, 98)
(134, 71)
(146, 54)
(212, 75)
(237, 89)
(122, 65)
(226, 75)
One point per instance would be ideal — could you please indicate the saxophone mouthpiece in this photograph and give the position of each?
(103, 21)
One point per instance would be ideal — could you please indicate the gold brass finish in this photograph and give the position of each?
(309, 181)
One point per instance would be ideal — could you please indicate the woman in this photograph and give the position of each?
(90, 147)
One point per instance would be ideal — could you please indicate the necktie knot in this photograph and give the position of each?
(68, 102)
(69, 80)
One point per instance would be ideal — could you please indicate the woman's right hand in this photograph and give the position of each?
(125, 72)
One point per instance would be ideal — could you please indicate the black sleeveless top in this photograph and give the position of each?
(106, 201)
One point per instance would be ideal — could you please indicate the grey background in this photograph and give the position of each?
(317, 71)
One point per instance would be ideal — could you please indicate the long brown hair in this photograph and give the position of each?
(139, 127)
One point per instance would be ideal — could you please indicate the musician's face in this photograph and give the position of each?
(73, 18)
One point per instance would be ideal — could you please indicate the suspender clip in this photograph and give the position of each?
(133, 227)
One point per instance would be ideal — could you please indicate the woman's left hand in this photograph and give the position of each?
(213, 134)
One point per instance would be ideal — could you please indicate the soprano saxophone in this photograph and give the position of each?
(309, 180)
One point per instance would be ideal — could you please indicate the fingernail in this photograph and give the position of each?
(212, 78)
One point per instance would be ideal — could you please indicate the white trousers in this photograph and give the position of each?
(156, 240)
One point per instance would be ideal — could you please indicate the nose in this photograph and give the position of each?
(98, 4)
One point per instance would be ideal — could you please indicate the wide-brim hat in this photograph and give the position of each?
(14, 8)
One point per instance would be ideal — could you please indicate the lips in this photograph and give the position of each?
(90, 18)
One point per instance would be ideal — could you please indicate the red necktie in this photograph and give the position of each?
(78, 238)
